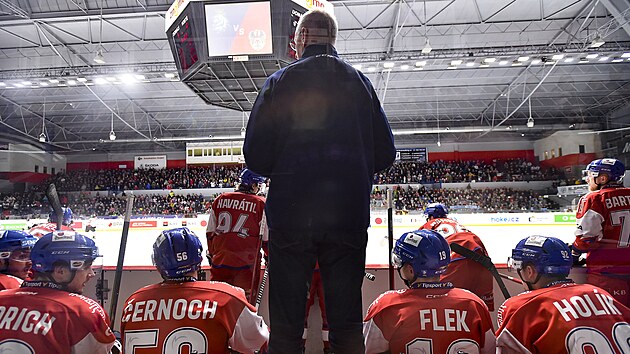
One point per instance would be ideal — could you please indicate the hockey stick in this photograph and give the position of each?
(121, 258)
(255, 274)
(261, 288)
(486, 262)
(390, 234)
(505, 276)
(53, 199)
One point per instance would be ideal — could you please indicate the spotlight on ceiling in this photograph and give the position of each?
(42, 138)
(530, 122)
(112, 135)
(99, 58)
(243, 131)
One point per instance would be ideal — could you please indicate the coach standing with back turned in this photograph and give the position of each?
(318, 131)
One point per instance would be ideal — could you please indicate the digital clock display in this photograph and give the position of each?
(185, 47)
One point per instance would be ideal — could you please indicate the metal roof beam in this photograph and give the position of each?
(622, 18)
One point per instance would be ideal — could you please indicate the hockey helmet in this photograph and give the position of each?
(13, 240)
(426, 250)
(67, 216)
(612, 167)
(249, 178)
(436, 210)
(177, 252)
(75, 250)
(548, 255)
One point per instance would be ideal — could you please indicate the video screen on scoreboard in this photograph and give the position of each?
(414, 154)
(184, 42)
(239, 29)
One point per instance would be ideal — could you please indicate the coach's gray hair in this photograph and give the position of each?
(322, 25)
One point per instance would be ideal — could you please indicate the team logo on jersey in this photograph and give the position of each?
(63, 236)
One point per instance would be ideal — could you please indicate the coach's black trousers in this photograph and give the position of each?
(292, 258)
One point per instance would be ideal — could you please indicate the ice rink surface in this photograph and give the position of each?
(499, 238)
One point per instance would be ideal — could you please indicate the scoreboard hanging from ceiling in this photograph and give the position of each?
(202, 32)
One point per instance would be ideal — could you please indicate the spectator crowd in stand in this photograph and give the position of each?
(406, 198)
(189, 205)
(489, 200)
(143, 179)
(465, 171)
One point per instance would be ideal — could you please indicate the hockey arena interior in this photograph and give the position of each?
(496, 108)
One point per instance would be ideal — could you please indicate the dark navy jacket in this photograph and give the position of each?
(318, 131)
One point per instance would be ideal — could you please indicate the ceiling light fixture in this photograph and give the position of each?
(99, 58)
(597, 42)
(490, 60)
(530, 120)
(427, 47)
(557, 56)
(404, 67)
(536, 61)
(112, 134)
(388, 65)
(592, 56)
(243, 127)
(42, 136)
(523, 58)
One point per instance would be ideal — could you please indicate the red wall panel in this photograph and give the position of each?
(485, 156)
(98, 165)
(569, 160)
(30, 177)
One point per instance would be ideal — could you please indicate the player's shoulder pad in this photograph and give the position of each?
(384, 300)
(238, 294)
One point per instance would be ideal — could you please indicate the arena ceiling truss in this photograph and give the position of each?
(448, 70)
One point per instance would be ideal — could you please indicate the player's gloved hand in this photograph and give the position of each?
(575, 254)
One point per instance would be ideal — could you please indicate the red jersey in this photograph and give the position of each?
(204, 316)
(603, 229)
(563, 318)
(8, 281)
(463, 272)
(39, 319)
(44, 229)
(436, 320)
(237, 221)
